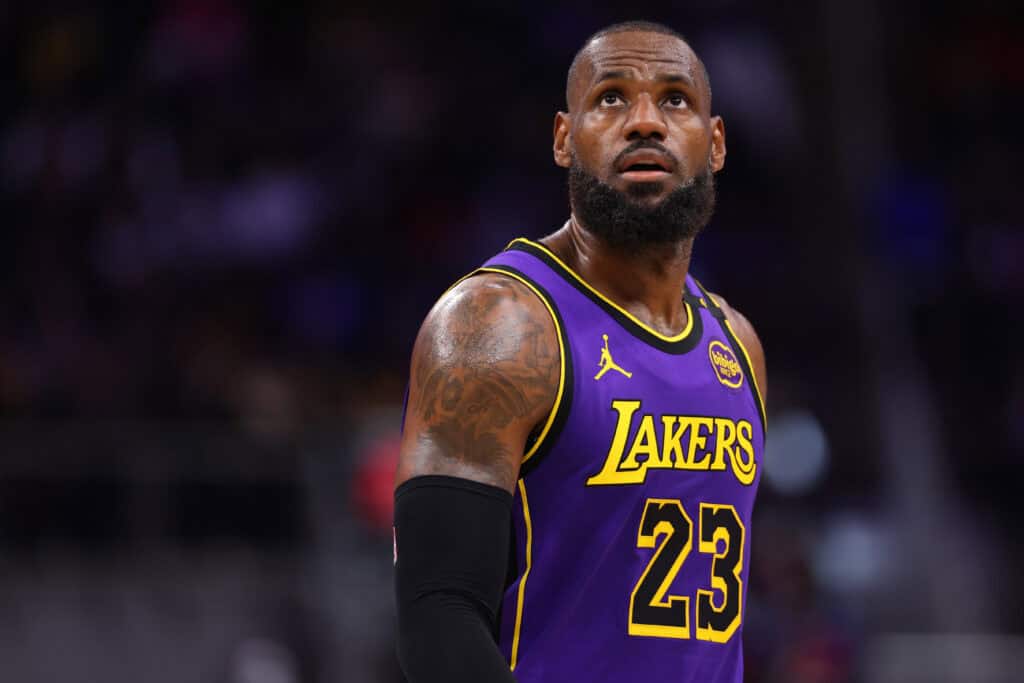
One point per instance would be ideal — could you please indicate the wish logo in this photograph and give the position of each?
(723, 362)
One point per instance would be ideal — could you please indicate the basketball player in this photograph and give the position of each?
(585, 422)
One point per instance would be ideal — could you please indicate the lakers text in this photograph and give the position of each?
(675, 442)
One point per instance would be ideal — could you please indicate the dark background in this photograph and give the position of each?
(222, 224)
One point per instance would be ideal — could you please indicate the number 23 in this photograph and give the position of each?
(651, 613)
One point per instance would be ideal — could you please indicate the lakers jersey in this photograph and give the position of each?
(631, 545)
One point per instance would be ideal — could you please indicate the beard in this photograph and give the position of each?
(621, 221)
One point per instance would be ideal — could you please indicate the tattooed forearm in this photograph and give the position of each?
(485, 372)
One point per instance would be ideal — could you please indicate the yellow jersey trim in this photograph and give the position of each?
(753, 373)
(561, 354)
(675, 338)
(522, 582)
(743, 349)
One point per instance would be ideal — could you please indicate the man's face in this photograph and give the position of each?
(640, 119)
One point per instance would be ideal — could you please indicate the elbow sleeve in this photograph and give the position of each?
(451, 553)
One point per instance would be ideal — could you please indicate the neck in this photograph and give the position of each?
(648, 284)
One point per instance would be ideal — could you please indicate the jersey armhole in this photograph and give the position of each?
(549, 430)
(737, 345)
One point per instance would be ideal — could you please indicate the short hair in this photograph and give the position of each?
(638, 25)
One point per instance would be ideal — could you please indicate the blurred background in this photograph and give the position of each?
(223, 222)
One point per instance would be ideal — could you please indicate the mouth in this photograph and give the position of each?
(644, 173)
(645, 166)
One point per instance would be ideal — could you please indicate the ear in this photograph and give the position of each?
(717, 143)
(563, 140)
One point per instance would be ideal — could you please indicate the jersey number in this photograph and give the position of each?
(651, 612)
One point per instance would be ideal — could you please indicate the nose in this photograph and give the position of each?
(646, 120)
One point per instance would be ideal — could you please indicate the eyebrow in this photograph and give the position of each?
(677, 78)
(610, 76)
(664, 78)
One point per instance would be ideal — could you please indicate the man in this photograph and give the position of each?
(585, 423)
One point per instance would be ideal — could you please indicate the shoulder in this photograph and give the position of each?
(486, 295)
(745, 332)
(484, 372)
(484, 319)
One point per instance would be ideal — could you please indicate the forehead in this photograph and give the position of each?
(639, 54)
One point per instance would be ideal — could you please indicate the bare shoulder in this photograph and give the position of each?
(485, 371)
(751, 342)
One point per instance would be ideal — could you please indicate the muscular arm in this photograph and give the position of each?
(485, 372)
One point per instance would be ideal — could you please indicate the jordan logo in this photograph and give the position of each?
(606, 363)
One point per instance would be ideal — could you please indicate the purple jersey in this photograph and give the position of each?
(631, 543)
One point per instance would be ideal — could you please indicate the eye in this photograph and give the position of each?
(676, 99)
(610, 99)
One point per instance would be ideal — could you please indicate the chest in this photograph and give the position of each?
(638, 413)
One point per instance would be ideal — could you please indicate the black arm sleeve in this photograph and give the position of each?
(451, 554)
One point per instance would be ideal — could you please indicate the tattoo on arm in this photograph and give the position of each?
(485, 372)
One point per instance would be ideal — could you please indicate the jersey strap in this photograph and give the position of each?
(744, 358)
(546, 434)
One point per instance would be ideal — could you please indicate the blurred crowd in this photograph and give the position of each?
(223, 222)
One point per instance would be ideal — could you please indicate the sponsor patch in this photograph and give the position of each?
(727, 368)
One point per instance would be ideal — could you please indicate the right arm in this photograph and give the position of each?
(485, 373)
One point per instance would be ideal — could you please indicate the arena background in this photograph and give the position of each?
(223, 223)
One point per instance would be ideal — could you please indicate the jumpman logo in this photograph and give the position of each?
(606, 363)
